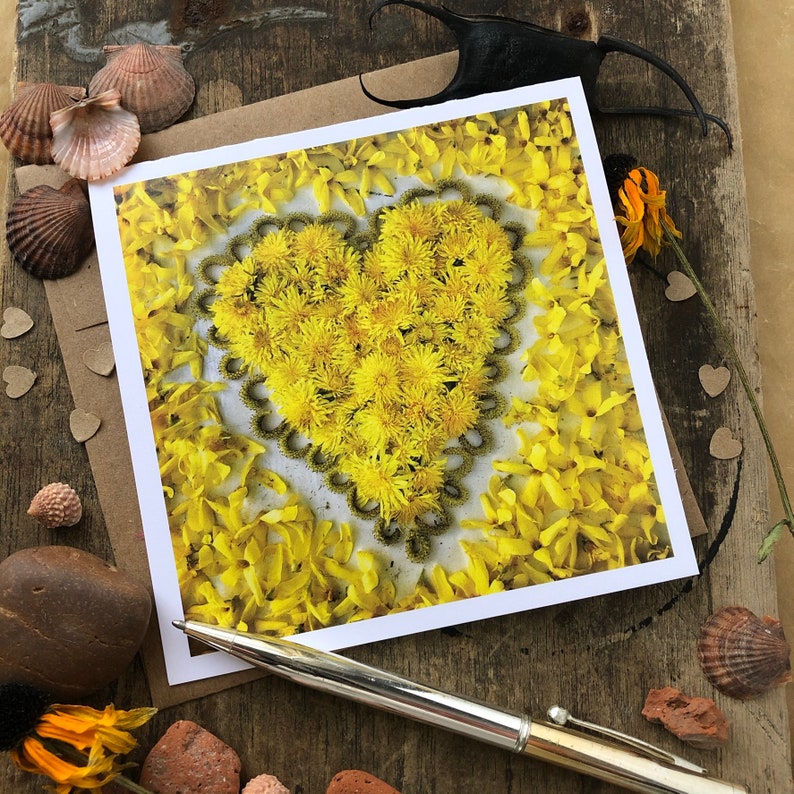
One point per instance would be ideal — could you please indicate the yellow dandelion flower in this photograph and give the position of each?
(458, 412)
(378, 479)
(376, 378)
(239, 280)
(402, 253)
(422, 366)
(315, 241)
(416, 219)
(271, 251)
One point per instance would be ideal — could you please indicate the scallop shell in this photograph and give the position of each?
(56, 505)
(95, 137)
(153, 82)
(743, 655)
(49, 231)
(25, 123)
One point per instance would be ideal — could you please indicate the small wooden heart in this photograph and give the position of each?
(83, 424)
(680, 287)
(20, 380)
(15, 323)
(723, 445)
(714, 380)
(100, 360)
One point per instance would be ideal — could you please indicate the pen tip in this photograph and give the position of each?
(179, 624)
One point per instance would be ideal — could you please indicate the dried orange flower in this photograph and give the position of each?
(75, 746)
(642, 212)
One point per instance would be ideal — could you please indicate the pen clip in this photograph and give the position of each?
(561, 716)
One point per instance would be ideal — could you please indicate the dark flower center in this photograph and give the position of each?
(21, 706)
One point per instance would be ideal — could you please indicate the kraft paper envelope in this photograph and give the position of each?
(78, 311)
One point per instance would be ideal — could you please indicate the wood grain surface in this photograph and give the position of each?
(597, 657)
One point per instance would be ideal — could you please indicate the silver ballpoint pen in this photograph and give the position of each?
(635, 766)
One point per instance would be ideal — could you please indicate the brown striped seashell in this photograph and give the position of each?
(152, 79)
(95, 137)
(743, 655)
(49, 231)
(56, 505)
(25, 123)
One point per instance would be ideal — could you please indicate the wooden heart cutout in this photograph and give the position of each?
(83, 424)
(723, 445)
(19, 380)
(100, 360)
(680, 286)
(15, 323)
(714, 380)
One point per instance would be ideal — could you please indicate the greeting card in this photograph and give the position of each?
(385, 376)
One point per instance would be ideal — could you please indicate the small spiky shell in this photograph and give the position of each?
(56, 505)
(95, 137)
(49, 231)
(152, 79)
(743, 655)
(25, 123)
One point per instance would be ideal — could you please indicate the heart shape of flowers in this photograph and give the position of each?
(378, 350)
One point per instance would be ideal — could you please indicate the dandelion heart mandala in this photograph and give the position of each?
(373, 353)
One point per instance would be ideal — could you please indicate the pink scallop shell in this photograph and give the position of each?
(25, 123)
(49, 231)
(152, 79)
(743, 655)
(95, 137)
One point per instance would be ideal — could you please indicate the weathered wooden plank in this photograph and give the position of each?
(596, 656)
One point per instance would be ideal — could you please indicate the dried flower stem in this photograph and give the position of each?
(128, 784)
(788, 522)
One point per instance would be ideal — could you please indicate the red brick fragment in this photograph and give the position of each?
(189, 759)
(354, 781)
(694, 720)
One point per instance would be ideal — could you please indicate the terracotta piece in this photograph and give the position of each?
(743, 655)
(189, 758)
(694, 720)
(354, 781)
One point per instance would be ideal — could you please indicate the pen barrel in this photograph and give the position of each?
(353, 680)
(509, 730)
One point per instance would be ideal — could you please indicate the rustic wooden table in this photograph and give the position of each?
(597, 657)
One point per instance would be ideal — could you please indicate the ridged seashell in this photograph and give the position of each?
(25, 123)
(95, 137)
(743, 655)
(56, 505)
(152, 79)
(49, 231)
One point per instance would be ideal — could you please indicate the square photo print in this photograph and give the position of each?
(385, 376)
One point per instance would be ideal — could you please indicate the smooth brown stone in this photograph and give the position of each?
(190, 759)
(69, 622)
(354, 781)
(694, 720)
